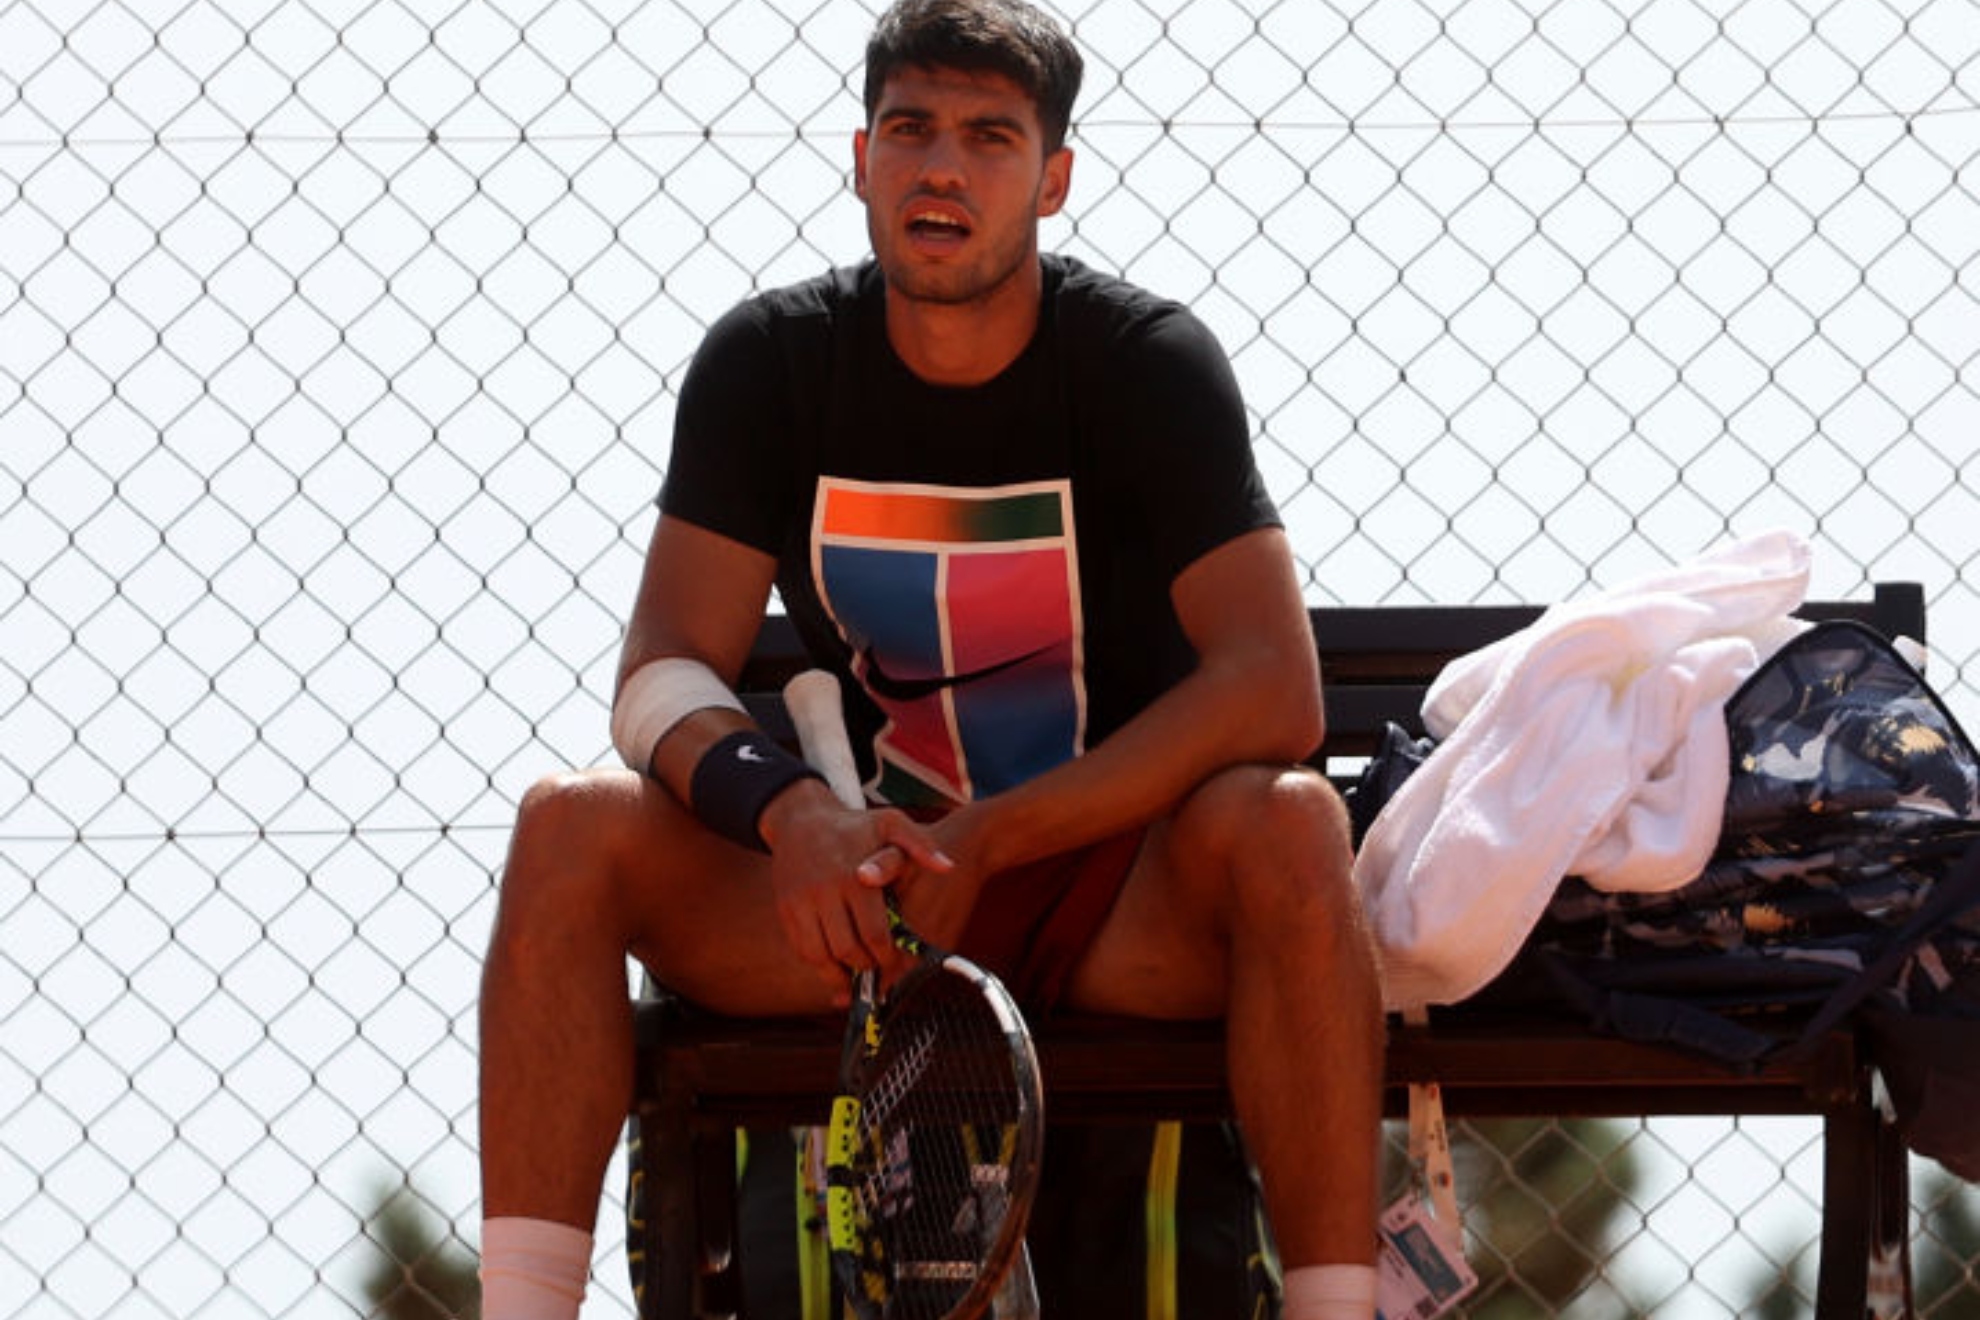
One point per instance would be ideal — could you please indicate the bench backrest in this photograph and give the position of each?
(1376, 661)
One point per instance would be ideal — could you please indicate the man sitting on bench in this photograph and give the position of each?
(1012, 501)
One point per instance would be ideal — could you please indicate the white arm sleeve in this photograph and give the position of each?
(657, 696)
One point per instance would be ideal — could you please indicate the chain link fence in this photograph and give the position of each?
(338, 349)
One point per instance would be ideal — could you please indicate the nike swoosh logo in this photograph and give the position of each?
(884, 684)
(751, 755)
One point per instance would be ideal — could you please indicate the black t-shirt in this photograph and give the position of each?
(990, 564)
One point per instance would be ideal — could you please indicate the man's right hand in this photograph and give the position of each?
(830, 865)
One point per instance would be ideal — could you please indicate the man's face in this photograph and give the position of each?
(955, 176)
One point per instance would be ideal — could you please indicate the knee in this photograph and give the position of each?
(561, 850)
(1281, 836)
(549, 805)
(551, 813)
(1255, 808)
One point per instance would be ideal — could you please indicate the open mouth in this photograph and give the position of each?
(940, 227)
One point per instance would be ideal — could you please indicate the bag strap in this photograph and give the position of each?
(1430, 1148)
(1657, 1019)
(1956, 891)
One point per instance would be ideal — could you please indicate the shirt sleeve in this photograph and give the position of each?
(728, 470)
(1189, 468)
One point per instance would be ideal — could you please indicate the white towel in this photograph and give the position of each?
(1592, 743)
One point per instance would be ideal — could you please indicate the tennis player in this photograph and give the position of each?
(1011, 501)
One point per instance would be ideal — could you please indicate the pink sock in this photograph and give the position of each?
(532, 1269)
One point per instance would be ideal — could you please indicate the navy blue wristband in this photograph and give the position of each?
(734, 781)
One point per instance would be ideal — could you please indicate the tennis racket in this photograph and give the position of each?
(932, 1156)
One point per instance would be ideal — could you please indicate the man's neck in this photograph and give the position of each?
(962, 344)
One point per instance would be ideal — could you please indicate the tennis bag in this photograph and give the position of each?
(1154, 1221)
(1845, 889)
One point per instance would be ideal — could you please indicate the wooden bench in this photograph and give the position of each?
(700, 1077)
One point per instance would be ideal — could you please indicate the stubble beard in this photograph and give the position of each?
(943, 285)
(953, 286)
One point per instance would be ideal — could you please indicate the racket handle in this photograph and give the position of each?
(812, 698)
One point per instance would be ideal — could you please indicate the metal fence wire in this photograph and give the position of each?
(339, 343)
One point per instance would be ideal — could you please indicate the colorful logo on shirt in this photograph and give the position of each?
(961, 606)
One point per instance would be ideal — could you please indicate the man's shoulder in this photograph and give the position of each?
(1083, 288)
(820, 297)
(1096, 310)
(787, 323)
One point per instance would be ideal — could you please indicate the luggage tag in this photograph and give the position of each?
(1418, 1273)
(1420, 1269)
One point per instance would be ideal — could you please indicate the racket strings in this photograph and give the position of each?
(938, 1134)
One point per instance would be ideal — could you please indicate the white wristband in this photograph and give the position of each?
(657, 696)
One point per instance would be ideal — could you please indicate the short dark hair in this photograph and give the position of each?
(1007, 37)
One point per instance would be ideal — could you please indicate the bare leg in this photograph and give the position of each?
(603, 866)
(1242, 906)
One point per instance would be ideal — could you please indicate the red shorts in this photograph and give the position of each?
(1033, 923)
